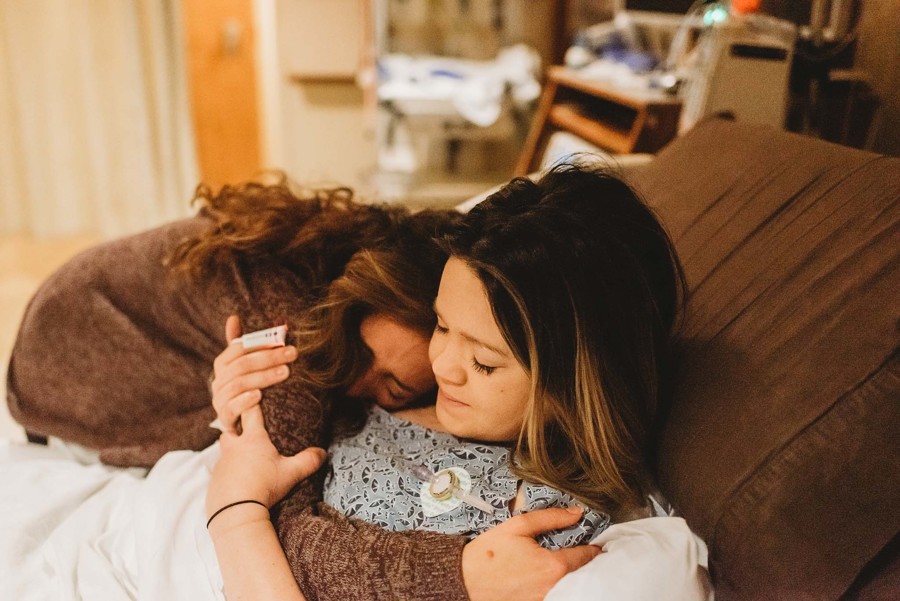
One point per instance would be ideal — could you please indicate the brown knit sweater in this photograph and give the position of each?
(114, 354)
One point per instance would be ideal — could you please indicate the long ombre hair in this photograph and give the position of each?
(353, 260)
(585, 285)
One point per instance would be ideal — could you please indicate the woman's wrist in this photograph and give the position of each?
(236, 517)
(234, 504)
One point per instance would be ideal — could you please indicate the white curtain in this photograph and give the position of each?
(95, 130)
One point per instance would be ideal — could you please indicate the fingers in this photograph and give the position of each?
(255, 373)
(235, 363)
(226, 358)
(232, 328)
(229, 413)
(236, 359)
(238, 386)
(241, 375)
(305, 463)
(535, 522)
(252, 420)
(575, 557)
(259, 359)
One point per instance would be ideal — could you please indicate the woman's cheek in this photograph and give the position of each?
(434, 348)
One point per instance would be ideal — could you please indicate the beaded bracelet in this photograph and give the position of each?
(213, 516)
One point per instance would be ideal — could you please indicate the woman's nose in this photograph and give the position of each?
(363, 386)
(445, 363)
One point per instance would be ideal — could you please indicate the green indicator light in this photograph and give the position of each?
(716, 13)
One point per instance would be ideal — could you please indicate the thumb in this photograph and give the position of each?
(575, 557)
(305, 463)
(232, 328)
(535, 522)
(252, 420)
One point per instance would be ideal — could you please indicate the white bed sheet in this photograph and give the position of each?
(71, 528)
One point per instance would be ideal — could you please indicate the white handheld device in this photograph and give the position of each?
(270, 336)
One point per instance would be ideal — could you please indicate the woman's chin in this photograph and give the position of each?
(446, 415)
(392, 404)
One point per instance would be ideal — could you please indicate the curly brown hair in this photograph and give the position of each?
(354, 259)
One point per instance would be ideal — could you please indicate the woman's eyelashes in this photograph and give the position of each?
(476, 365)
(481, 368)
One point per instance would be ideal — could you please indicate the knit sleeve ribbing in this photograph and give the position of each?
(334, 557)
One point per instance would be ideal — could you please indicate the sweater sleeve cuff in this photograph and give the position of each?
(442, 562)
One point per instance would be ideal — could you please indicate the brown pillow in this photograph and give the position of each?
(782, 445)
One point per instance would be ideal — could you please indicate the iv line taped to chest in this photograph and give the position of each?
(444, 484)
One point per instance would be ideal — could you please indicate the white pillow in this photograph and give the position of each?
(561, 147)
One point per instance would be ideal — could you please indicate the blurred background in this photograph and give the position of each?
(112, 111)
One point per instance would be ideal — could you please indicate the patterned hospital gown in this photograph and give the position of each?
(371, 478)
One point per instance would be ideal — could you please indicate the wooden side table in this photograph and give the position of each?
(616, 120)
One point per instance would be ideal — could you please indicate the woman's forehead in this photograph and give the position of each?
(463, 305)
(399, 351)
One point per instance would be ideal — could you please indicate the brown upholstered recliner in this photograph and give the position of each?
(782, 449)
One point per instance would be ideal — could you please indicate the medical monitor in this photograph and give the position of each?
(655, 12)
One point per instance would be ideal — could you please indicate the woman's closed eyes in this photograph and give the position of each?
(481, 368)
(477, 365)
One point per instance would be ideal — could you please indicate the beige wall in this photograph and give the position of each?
(430, 26)
(323, 133)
